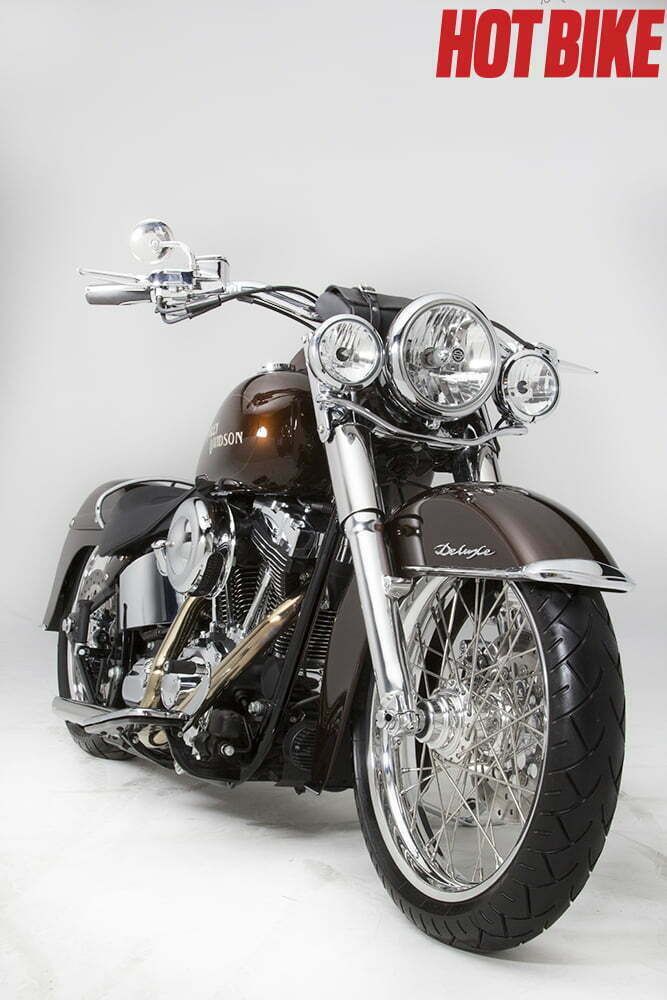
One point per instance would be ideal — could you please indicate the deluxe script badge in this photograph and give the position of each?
(447, 549)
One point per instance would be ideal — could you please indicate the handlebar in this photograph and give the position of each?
(116, 295)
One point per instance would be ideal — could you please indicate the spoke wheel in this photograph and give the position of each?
(456, 803)
(485, 824)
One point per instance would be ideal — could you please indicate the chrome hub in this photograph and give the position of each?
(453, 722)
(444, 722)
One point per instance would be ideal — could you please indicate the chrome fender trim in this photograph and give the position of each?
(575, 572)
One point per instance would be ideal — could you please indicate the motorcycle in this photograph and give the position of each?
(348, 597)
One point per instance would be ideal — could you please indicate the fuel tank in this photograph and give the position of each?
(264, 438)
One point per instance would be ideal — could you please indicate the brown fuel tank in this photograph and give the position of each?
(264, 438)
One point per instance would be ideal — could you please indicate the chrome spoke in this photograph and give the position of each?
(465, 788)
(457, 791)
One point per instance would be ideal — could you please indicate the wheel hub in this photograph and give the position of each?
(444, 721)
(453, 723)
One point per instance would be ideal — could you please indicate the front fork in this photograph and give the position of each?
(361, 515)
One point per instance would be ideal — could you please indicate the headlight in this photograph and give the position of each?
(529, 385)
(345, 351)
(443, 356)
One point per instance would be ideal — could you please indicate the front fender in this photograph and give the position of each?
(463, 529)
(497, 531)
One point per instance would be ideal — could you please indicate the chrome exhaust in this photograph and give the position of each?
(177, 635)
(245, 652)
(94, 719)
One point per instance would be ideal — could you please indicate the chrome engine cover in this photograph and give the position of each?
(135, 681)
(198, 553)
(198, 661)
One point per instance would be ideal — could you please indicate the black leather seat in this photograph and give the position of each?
(140, 516)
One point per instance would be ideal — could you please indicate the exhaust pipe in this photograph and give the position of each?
(93, 719)
(177, 635)
(245, 652)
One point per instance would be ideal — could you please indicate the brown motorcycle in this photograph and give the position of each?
(347, 596)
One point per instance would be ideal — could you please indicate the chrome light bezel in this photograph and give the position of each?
(209, 541)
(315, 361)
(505, 403)
(408, 395)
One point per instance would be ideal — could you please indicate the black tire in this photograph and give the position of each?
(577, 798)
(96, 746)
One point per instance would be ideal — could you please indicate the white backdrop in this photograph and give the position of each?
(311, 143)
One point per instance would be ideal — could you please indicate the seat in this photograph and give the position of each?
(141, 515)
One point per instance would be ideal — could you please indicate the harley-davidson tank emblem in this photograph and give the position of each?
(447, 549)
(217, 439)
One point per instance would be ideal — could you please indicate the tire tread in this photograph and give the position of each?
(577, 800)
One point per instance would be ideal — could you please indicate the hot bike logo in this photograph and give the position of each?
(587, 43)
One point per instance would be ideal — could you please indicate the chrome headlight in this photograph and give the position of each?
(529, 385)
(345, 351)
(443, 356)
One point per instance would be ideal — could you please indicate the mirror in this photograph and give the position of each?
(148, 240)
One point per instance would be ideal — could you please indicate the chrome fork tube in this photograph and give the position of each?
(360, 513)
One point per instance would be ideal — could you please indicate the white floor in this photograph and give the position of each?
(120, 880)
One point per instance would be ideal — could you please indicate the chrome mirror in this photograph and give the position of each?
(151, 240)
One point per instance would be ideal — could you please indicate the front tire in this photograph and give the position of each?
(566, 823)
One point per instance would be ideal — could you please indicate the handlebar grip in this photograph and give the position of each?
(116, 295)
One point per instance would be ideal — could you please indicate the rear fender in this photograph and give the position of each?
(83, 535)
(90, 528)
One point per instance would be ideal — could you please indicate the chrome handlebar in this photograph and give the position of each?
(180, 295)
(117, 295)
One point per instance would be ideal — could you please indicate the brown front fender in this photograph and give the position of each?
(492, 530)
(463, 529)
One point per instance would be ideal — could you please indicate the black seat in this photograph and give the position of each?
(336, 300)
(140, 516)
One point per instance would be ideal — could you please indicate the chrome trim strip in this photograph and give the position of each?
(132, 482)
(578, 572)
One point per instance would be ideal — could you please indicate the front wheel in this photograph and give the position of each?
(485, 826)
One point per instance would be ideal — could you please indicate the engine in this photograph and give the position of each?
(283, 543)
(248, 556)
